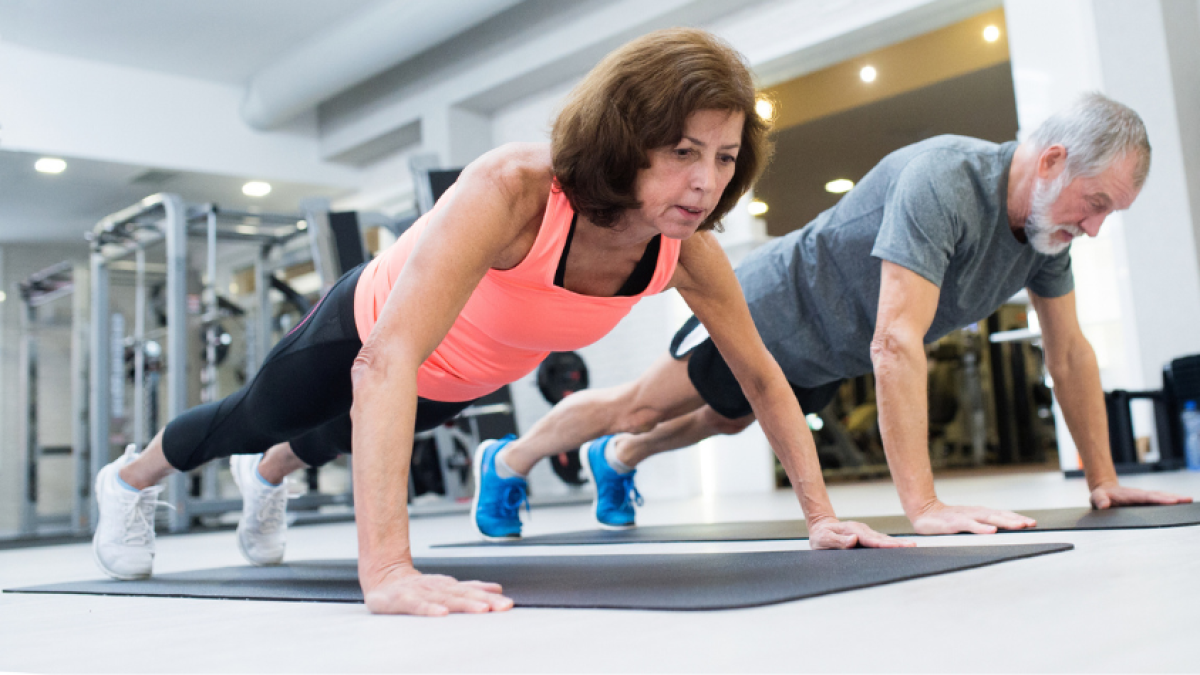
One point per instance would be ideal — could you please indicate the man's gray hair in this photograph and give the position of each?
(1096, 131)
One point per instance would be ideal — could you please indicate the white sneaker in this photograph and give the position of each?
(262, 530)
(123, 545)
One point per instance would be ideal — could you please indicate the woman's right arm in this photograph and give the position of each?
(487, 222)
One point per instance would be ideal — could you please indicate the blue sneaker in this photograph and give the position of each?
(615, 492)
(496, 508)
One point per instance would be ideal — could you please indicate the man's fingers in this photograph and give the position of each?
(874, 539)
(835, 540)
(1168, 498)
(1009, 520)
(486, 586)
(976, 527)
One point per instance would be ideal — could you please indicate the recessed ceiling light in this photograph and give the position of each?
(301, 224)
(991, 33)
(50, 165)
(256, 188)
(867, 73)
(757, 207)
(3, 296)
(764, 109)
(839, 186)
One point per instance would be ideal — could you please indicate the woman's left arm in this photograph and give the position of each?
(707, 283)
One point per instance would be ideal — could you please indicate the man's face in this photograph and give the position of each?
(1062, 208)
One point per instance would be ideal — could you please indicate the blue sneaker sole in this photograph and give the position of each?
(587, 470)
(476, 473)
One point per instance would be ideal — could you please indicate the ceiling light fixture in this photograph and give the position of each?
(50, 165)
(839, 186)
(256, 188)
(301, 225)
(868, 73)
(765, 109)
(991, 33)
(756, 207)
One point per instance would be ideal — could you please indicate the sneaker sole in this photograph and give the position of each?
(242, 547)
(476, 472)
(587, 470)
(114, 575)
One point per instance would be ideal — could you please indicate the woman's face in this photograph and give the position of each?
(685, 181)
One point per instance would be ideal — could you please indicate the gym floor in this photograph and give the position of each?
(1122, 601)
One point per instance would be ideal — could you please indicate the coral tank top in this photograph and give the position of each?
(514, 317)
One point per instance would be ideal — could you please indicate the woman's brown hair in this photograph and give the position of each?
(639, 98)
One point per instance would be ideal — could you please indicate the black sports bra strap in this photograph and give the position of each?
(637, 282)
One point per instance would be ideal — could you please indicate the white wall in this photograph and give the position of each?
(1138, 283)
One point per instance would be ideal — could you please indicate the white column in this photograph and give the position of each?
(456, 134)
(743, 463)
(1138, 283)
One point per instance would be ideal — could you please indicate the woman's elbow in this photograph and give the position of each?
(372, 368)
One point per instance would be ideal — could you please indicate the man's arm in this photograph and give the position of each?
(907, 305)
(706, 281)
(1072, 364)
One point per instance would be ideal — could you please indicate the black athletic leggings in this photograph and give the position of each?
(302, 394)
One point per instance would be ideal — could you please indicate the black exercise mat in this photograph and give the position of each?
(1049, 520)
(653, 581)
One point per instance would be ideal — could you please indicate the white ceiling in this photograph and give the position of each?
(218, 40)
(62, 207)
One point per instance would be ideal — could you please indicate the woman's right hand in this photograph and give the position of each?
(404, 590)
(834, 533)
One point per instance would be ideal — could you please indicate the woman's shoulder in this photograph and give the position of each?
(697, 254)
(521, 171)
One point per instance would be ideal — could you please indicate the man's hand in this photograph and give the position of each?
(832, 533)
(939, 518)
(1107, 496)
(407, 591)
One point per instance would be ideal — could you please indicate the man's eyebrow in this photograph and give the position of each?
(1104, 199)
(732, 146)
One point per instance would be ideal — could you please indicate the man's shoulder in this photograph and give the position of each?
(956, 170)
(949, 156)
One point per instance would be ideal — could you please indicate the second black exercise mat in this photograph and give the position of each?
(668, 582)
(1049, 520)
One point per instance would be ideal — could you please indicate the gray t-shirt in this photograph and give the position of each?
(938, 208)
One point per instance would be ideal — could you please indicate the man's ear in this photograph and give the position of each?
(1051, 162)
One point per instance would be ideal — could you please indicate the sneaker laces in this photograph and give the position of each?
(509, 505)
(273, 513)
(139, 516)
(624, 489)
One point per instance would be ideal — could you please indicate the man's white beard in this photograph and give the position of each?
(1040, 230)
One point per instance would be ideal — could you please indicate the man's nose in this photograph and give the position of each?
(1091, 224)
